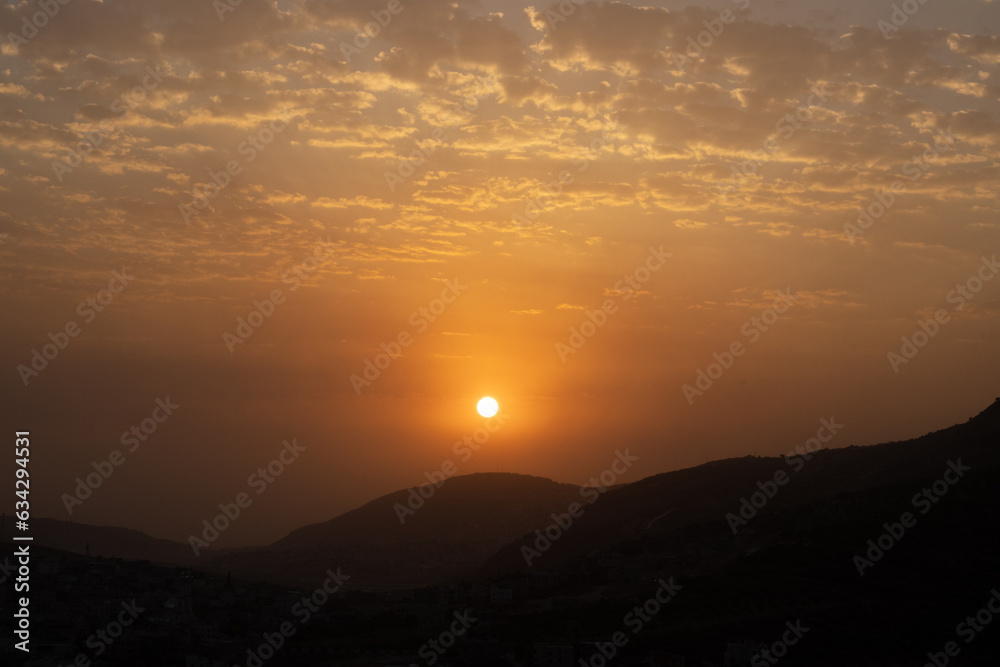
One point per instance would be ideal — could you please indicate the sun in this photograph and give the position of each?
(487, 406)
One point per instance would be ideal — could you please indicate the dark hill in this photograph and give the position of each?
(465, 521)
(108, 541)
(707, 493)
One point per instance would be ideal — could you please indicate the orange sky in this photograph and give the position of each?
(526, 169)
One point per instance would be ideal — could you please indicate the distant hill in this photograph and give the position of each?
(667, 502)
(799, 558)
(796, 560)
(108, 542)
(462, 524)
(476, 526)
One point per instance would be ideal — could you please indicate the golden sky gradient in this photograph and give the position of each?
(526, 165)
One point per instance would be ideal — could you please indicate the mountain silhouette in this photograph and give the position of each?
(403, 539)
(671, 501)
(480, 526)
(108, 542)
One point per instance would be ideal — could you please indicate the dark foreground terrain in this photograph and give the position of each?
(881, 555)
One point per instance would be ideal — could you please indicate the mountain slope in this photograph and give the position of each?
(478, 525)
(466, 520)
(708, 493)
(108, 541)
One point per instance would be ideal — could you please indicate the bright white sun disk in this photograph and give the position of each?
(487, 407)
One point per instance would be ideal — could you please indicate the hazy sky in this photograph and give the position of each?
(517, 162)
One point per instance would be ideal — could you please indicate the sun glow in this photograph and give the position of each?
(487, 406)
